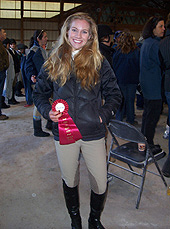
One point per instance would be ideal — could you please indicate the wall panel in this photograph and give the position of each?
(13, 29)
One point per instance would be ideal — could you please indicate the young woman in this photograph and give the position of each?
(77, 74)
(35, 59)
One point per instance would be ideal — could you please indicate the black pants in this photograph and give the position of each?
(151, 114)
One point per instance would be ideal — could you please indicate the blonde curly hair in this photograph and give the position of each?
(87, 62)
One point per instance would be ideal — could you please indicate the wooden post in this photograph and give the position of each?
(61, 13)
(22, 21)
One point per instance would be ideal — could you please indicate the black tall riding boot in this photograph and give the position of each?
(97, 205)
(38, 132)
(72, 202)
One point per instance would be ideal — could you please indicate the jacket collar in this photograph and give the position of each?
(167, 32)
(36, 43)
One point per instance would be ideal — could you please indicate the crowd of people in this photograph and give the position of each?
(24, 66)
(91, 79)
(142, 72)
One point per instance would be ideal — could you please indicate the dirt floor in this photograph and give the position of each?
(31, 190)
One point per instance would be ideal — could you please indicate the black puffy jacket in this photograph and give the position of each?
(85, 106)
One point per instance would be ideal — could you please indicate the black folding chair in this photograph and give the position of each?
(129, 154)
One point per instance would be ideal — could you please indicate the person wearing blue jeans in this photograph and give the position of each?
(27, 83)
(4, 64)
(165, 61)
(128, 92)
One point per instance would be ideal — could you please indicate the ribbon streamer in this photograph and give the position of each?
(68, 131)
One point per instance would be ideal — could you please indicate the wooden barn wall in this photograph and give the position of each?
(14, 30)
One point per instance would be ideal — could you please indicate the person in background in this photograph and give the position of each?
(165, 60)
(104, 33)
(151, 77)
(10, 75)
(126, 68)
(13, 52)
(77, 74)
(4, 64)
(139, 95)
(28, 84)
(105, 43)
(23, 83)
(39, 58)
(166, 132)
(20, 85)
(40, 40)
(116, 38)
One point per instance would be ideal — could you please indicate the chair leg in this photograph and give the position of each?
(141, 187)
(143, 181)
(160, 172)
(130, 167)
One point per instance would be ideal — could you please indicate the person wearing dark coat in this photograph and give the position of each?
(126, 68)
(79, 78)
(104, 32)
(4, 64)
(10, 74)
(33, 60)
(150, 77)
(21, 53)
(27, 83)
(165, 59)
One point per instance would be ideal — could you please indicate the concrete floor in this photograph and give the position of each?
(31, 194)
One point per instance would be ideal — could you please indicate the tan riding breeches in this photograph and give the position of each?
(94, 154)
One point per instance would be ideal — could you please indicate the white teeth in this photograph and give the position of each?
(77, 41)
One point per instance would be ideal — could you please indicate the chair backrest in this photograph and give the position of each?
(126, 131)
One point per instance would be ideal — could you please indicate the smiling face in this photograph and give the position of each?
(159, 30)
(78, 34)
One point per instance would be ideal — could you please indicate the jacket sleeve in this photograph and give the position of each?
(38, 60)
(110, 92)
(30, 68)
(42, 92)
(4, 59)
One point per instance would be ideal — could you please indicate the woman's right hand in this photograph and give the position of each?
(33, 78)
(55, 115)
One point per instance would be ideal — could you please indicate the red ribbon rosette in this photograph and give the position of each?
(68, 131)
